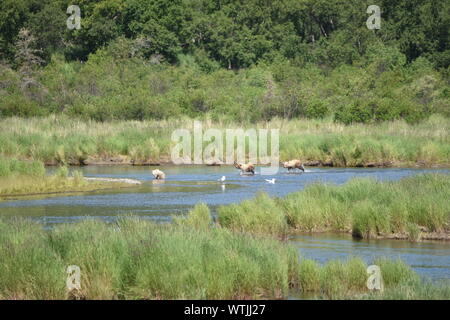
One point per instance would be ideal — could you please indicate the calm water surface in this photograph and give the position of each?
(187, 185)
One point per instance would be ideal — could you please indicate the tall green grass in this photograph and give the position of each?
(138, 259)
(29, 178)
(198, 218)
(58, 139)
(364, 206)
(29, 267)
(11, 167)
(347, 279)
(261, 215)
(416, 290)
(338, 278)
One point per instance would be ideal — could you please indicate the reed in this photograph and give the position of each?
(23, 178)
(260, 215)
(59, 139)
(422, 290)
(347, 279)
(137, 259)
(365, 207)
(11, 167)
(134, 258)
(29, 267)
(199, 217)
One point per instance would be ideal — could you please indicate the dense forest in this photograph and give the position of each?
(241, 60)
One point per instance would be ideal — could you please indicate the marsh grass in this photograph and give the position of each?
(58, 139)
(261, 215)
(413, 232)
(22, 178)
(138, 259)
(395, 272)
(347, 279)
(10, 167)
(339, 278)
(422, 290)
(199, 217)
(309, 277)
(366, 207)
(29, 267)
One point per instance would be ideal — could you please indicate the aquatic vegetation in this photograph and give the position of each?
(395, 272)
(347, 279)
(29, 267)
(364, 206)
(134, 258)
(138, 259)
(413, 232)
(199, 217)
(21, 178)
(260, 215)
(309, 275)
(339, 278)
(61, 140)
(11, 167)
(416, 290)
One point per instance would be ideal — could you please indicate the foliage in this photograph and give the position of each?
(366, 207)
(137, 259)
(240, 59)
(66, 141)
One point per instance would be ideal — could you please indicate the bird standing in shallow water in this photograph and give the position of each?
(222, 179)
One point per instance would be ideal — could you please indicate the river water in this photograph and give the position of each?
(187, 185)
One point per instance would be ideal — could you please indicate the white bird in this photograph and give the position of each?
(222, 179)
(271, 181)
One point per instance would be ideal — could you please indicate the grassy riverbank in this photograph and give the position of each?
(136, 259)
(412, 208)
(20, 178)
(59, 140)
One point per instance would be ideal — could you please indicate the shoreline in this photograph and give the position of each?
(424, 235)
(302, 212)
(93, 185)
(256, 267)
(60, 140)
(124, 161)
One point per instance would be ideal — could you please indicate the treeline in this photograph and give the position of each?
(233, 33)
(243, 60)
(108, 87)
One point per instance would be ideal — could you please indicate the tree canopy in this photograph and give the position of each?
(246, 60)
(233, 33)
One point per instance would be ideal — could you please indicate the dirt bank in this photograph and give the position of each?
(165, 160)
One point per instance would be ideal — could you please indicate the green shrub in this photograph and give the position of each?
(199, 217)
(10, 167)
(29, 268)
(309, 275)
(395, 272)
(317, 110)
(260, 215)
